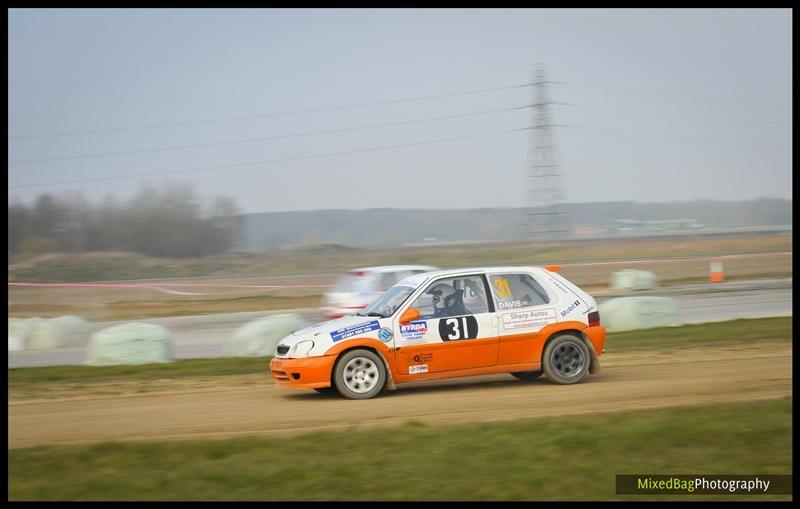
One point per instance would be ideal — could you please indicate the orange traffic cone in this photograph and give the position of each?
(715, 272)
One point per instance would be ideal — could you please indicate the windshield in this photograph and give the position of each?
(388, 303)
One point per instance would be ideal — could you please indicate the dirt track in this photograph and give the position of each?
(253, 405)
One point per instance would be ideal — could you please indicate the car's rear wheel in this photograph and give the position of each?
(359, 374)
(566, 360)
(528, 375)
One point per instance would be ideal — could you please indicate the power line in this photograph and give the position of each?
(670, 137)
(360, 84)
(261, 115)
(687, 77)
(256, 94)
(689, 118)
(267, 161)
(736, 102)
(263, 138)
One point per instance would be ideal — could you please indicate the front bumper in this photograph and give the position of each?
(308, 373)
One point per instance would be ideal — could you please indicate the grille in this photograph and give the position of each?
(283, 349)
(280, 375)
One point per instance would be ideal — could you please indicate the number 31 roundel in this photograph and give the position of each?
(460, 327)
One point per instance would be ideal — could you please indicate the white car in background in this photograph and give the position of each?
(357, 288)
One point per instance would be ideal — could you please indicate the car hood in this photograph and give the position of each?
(326, 334)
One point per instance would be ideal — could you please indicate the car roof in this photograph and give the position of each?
(468, 270)
(394, 268)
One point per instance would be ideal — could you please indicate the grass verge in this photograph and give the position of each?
(733, 332)
(186, 368)
(557, 458)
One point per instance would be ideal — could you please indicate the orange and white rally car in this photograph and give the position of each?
(450, 323)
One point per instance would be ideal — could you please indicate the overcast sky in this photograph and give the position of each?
(654, 105)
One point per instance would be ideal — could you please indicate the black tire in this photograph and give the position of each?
(328, 391)
(528, 375)
(566, 360)
(359, 374)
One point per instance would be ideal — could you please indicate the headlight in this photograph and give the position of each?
(301, 349)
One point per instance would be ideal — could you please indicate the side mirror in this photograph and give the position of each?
(409, 315)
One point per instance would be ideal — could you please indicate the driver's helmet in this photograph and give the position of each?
(443, 296)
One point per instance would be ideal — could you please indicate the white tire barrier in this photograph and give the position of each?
(130, 343)
(260, 337)
(632, 313)
(15, 344)
(633, 279)
(48, 333)
(18, 331)
(62, 332)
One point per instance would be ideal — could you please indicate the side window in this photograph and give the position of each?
(455, 296)
(513, 291)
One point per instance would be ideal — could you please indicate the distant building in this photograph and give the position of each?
(654, 226)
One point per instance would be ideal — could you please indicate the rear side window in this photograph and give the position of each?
(513, 291)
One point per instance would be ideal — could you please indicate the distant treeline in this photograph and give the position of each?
(168, 221)
(395, 227)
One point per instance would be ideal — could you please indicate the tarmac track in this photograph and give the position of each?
(253, 405)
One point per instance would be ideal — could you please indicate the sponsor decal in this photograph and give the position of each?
(385, 335)
(512, 304)
(414, 331)
(558, 285)
(568, 309)
(354, 330)
(529, 318)
(461, 327)
(420, 358)
(416, 370)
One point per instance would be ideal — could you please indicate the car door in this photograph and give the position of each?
(524, 306)
(457, 329)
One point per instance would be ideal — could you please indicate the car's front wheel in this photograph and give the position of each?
(359, 374)
(566, 360)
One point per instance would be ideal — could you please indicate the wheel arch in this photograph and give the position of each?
(594, 362)
(390, 385)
